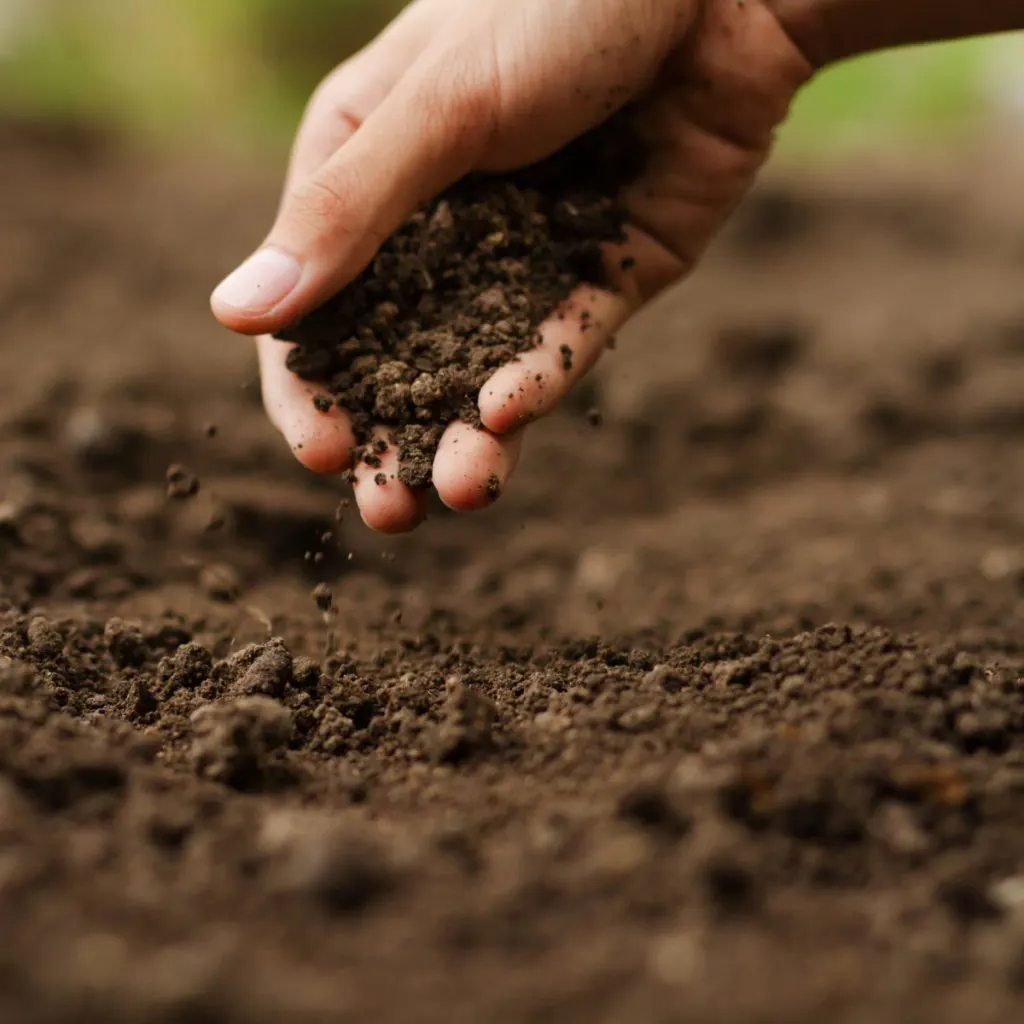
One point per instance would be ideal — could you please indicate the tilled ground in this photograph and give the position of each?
(717, 716)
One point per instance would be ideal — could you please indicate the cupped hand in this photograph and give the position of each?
(455, 86)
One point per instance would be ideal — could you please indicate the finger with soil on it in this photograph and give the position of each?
(385, 503)
(572, 341)
(472, 466)
(321, 438)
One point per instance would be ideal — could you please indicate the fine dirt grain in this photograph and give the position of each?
(717, 716)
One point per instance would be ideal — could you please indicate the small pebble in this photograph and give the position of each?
(181, 484)
(220, 582)
(323, 597)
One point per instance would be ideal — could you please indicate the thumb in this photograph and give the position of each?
(427, 134)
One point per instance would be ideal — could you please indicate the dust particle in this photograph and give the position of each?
(181, 484)
(323, 597)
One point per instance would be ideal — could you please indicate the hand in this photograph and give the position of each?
(455, 86)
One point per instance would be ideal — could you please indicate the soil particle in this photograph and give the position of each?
(140, 702)
(322, 597)
(268, 669)
(237, 742)
(663, 677)
(469, 726)
(188, 668)
(18, 678)
(181, 484)
(896, 826)
(125, 642)
(461, 289)
(45, 639)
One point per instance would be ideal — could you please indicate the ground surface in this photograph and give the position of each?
(785, 783)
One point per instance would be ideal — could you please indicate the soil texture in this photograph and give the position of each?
(717, 716)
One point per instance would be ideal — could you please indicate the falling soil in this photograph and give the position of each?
(717, 715)
(459, 290)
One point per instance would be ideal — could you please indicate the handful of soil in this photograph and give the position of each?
(459, 290)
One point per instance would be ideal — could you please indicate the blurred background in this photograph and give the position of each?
(235, 73)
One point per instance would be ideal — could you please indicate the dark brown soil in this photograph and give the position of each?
(717, 716)
(460, 290)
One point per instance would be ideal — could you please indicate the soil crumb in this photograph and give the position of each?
(181, 484)
(322, 597)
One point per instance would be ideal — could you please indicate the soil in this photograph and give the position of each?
(460, 290)
(717, 715)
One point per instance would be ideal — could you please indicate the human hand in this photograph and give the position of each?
(455, 86)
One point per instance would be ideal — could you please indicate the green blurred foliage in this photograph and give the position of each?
(914, 95)
(238, 71)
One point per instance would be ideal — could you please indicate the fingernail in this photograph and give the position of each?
(263, 281)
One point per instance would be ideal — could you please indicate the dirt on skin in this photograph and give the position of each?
(717, 716)
(460, 290)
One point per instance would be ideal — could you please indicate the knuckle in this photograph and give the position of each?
(334, 104)
(319, 205)
(333, 113)
(458, 105)
(323, 95)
